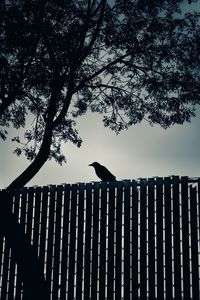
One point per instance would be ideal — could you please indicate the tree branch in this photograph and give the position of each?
(106, 67)
(106, 86)
(44, 151)
(54, 63)
(95, 34)
(71, 80)
(13, 94)
(64, 109)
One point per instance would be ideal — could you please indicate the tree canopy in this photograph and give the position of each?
(128, 60)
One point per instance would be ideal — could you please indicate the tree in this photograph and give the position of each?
(128, 60)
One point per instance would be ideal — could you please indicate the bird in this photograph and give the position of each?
(102, 172)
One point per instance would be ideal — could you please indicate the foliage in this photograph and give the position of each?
(128, 60)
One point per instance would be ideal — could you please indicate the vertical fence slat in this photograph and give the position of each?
(80, 242)
(127, 240)
(8, 262)
(194, 243)
(21, 199)
(19, 284)
(28, 215)
(95, 242)
(50, 238)
(103, 240)
(11, 278)
(176, 227)
(151, 221)
(12, 262)
(111, 241)
(72, 243)
(36, 224)
(134, 241)
(5, 272)
(24, 195)
(65, 242)
(185, 234)
(56, 261)
(168, 241)
(159, 212)
(2, 242)
(118, 281)
(143, 241)
(1, 259)
(29, 212)
(88, 241)
(43, 226)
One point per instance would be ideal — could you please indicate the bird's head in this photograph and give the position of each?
(94, 164)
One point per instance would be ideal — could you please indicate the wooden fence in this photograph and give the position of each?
(124, 240)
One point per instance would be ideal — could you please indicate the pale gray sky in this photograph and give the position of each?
(141, 151)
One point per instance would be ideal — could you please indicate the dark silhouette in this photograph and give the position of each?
(72, 71)
(30, 269)
(102, 172)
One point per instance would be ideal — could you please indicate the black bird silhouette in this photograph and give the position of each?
(102, 172)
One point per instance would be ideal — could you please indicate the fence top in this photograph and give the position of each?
(99, 184)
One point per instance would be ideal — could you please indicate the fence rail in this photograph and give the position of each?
(124, 240)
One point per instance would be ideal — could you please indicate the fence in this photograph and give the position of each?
(124, 240)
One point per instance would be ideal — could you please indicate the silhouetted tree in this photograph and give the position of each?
(127, 60)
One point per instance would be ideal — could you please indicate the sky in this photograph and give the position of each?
(141, 151)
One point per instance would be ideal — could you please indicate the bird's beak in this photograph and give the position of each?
(90, 165)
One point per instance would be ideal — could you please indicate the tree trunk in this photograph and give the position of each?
(30, 270)
(36, 165)
(32, 273)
